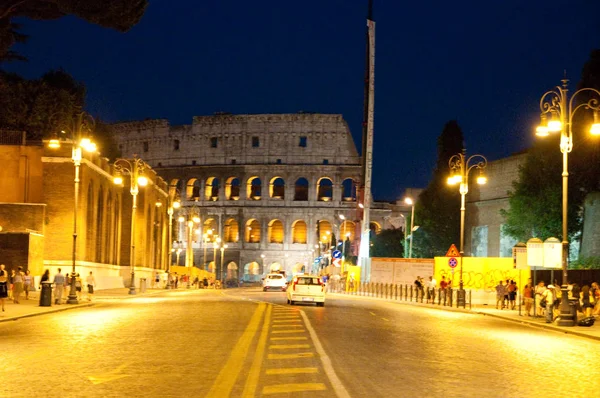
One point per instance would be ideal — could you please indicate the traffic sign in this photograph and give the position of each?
(452, 252)
(336, 254)
(337, 262)
(452, 262)
(317, 261)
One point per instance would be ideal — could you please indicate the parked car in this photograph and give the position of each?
(306, 289)
(274, 282)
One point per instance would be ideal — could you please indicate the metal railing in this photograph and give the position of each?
(443, 297)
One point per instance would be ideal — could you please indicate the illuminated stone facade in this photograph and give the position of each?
(261, 183)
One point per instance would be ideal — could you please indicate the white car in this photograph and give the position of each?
(306, 289)
(274, 282)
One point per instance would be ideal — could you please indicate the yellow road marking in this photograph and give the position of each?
(287, 388)
(291, 356)
(289, 371)
(286, 316)
(372, 313)
(288, 331)
(226, 379)
(287, 321)
(289, 338)
(254, 372)
(288, 326)
(109, 376)
(385, 319)
(287, 346)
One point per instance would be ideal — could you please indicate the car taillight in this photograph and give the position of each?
(295, 283)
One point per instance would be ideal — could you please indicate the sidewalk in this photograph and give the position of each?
(592, 332)
(31, 307)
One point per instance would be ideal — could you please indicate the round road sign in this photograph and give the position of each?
(452, 262)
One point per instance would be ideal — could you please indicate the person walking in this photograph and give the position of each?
(3, 285)
(500, 290)
(512, 294)
(90, 281)
(11, 284)
(59, 286)
(78, 286)
(548, 296)
(539, 291)
(27, 283)
(528, 298)
(17, 285)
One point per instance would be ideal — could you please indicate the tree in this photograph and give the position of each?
(388, 243)
(536, 201)
(437, 210)
(121, 15)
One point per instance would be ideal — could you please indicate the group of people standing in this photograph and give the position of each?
(63, 282)
(429, 288)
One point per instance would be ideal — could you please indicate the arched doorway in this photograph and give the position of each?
(232, 271)
(252, 272)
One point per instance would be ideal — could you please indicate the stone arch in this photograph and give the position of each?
(277, 188)
(99, 239)
(117, 229)
(232, 270)
(210, 224)
(275, 233)
(349, 190)
(254, 188)
(275, 267)
(347, 229)
(211, 189)
(232, 188)
(325, 189)
(301, 189)
(253, 231)
(211, 267)
(252, 272)
(231, 231)
(325, 231)
(298, 268)
(375, 227)
(299, 234)
(193, 189)
(90, 216)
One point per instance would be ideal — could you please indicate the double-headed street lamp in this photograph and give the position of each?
(413, 228)
(460, 166)
(135, 168)
(80, 141)
(559, 106)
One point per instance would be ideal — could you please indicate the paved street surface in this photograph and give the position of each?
(245, 342)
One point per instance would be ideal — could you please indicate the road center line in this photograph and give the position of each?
(254, 372)
(290, 371)
(227, 376)
(288, 346)
(289, 338)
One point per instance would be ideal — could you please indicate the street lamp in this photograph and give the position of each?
(205, 240)
(135, 168)
(223, 247)
(556, 103)
(460, 166)
(263, 263)
(79, 141)
(189, 254)
(174, 204)
(216, 243)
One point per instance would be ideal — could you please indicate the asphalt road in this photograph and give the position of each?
(245, 342)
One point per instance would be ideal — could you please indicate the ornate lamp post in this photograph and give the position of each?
(559, 106)
(135, 168)
(222, 248)
(216, 243)
(205, 240)
(174, 204)
(189, 253)
(411, 203)
(79, 141)
(460, 166)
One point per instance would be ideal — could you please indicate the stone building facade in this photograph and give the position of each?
(272, 187)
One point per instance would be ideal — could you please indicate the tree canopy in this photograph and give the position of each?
(388, 243)
(121, 15)
(437, 210)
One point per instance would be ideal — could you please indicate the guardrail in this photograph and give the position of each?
(443, 297)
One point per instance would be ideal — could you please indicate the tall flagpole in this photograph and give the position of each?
(367, 146)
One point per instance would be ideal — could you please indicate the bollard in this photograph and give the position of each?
(411, 291)
(46, 294)
(142, 285)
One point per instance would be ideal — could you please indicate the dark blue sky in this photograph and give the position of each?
(483, 63)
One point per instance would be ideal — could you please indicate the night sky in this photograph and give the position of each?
(483, 63)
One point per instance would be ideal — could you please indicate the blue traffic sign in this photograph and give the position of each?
(452, 262)
(336, 254)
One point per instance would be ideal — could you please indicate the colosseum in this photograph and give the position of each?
(258, 193)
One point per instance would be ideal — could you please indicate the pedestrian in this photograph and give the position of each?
(443, 287)
(539, 290)
(431, 286)
(528, 298)
(595, 292)
(586, 301)
(78, 286)
(500, 290)
(512, 294)
(205, 282)
(27, 283)
(18, 285)
(59, 286)
(90, 281)
(548, 297)
(45, 277)
(11, 284)
(3, 285)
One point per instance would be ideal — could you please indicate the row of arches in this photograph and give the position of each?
(276, 231)
(254, 189)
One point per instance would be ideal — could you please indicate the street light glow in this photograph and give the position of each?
(176, 204)
(118, 180)
(142, 180)
(408, 201)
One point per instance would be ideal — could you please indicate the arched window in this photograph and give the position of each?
(324, 231)
(325, 189)
(347, 230)
(375, 227)
(231, 231)
(210, 229)
(253, 231)
(232, 188)
(193, 189)
(254, 188)
(277, 188)
(252, 272)
(211, 189)
(299, 232)
(275, 231)
(301, 189)
(232, 270)
(348, 190)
